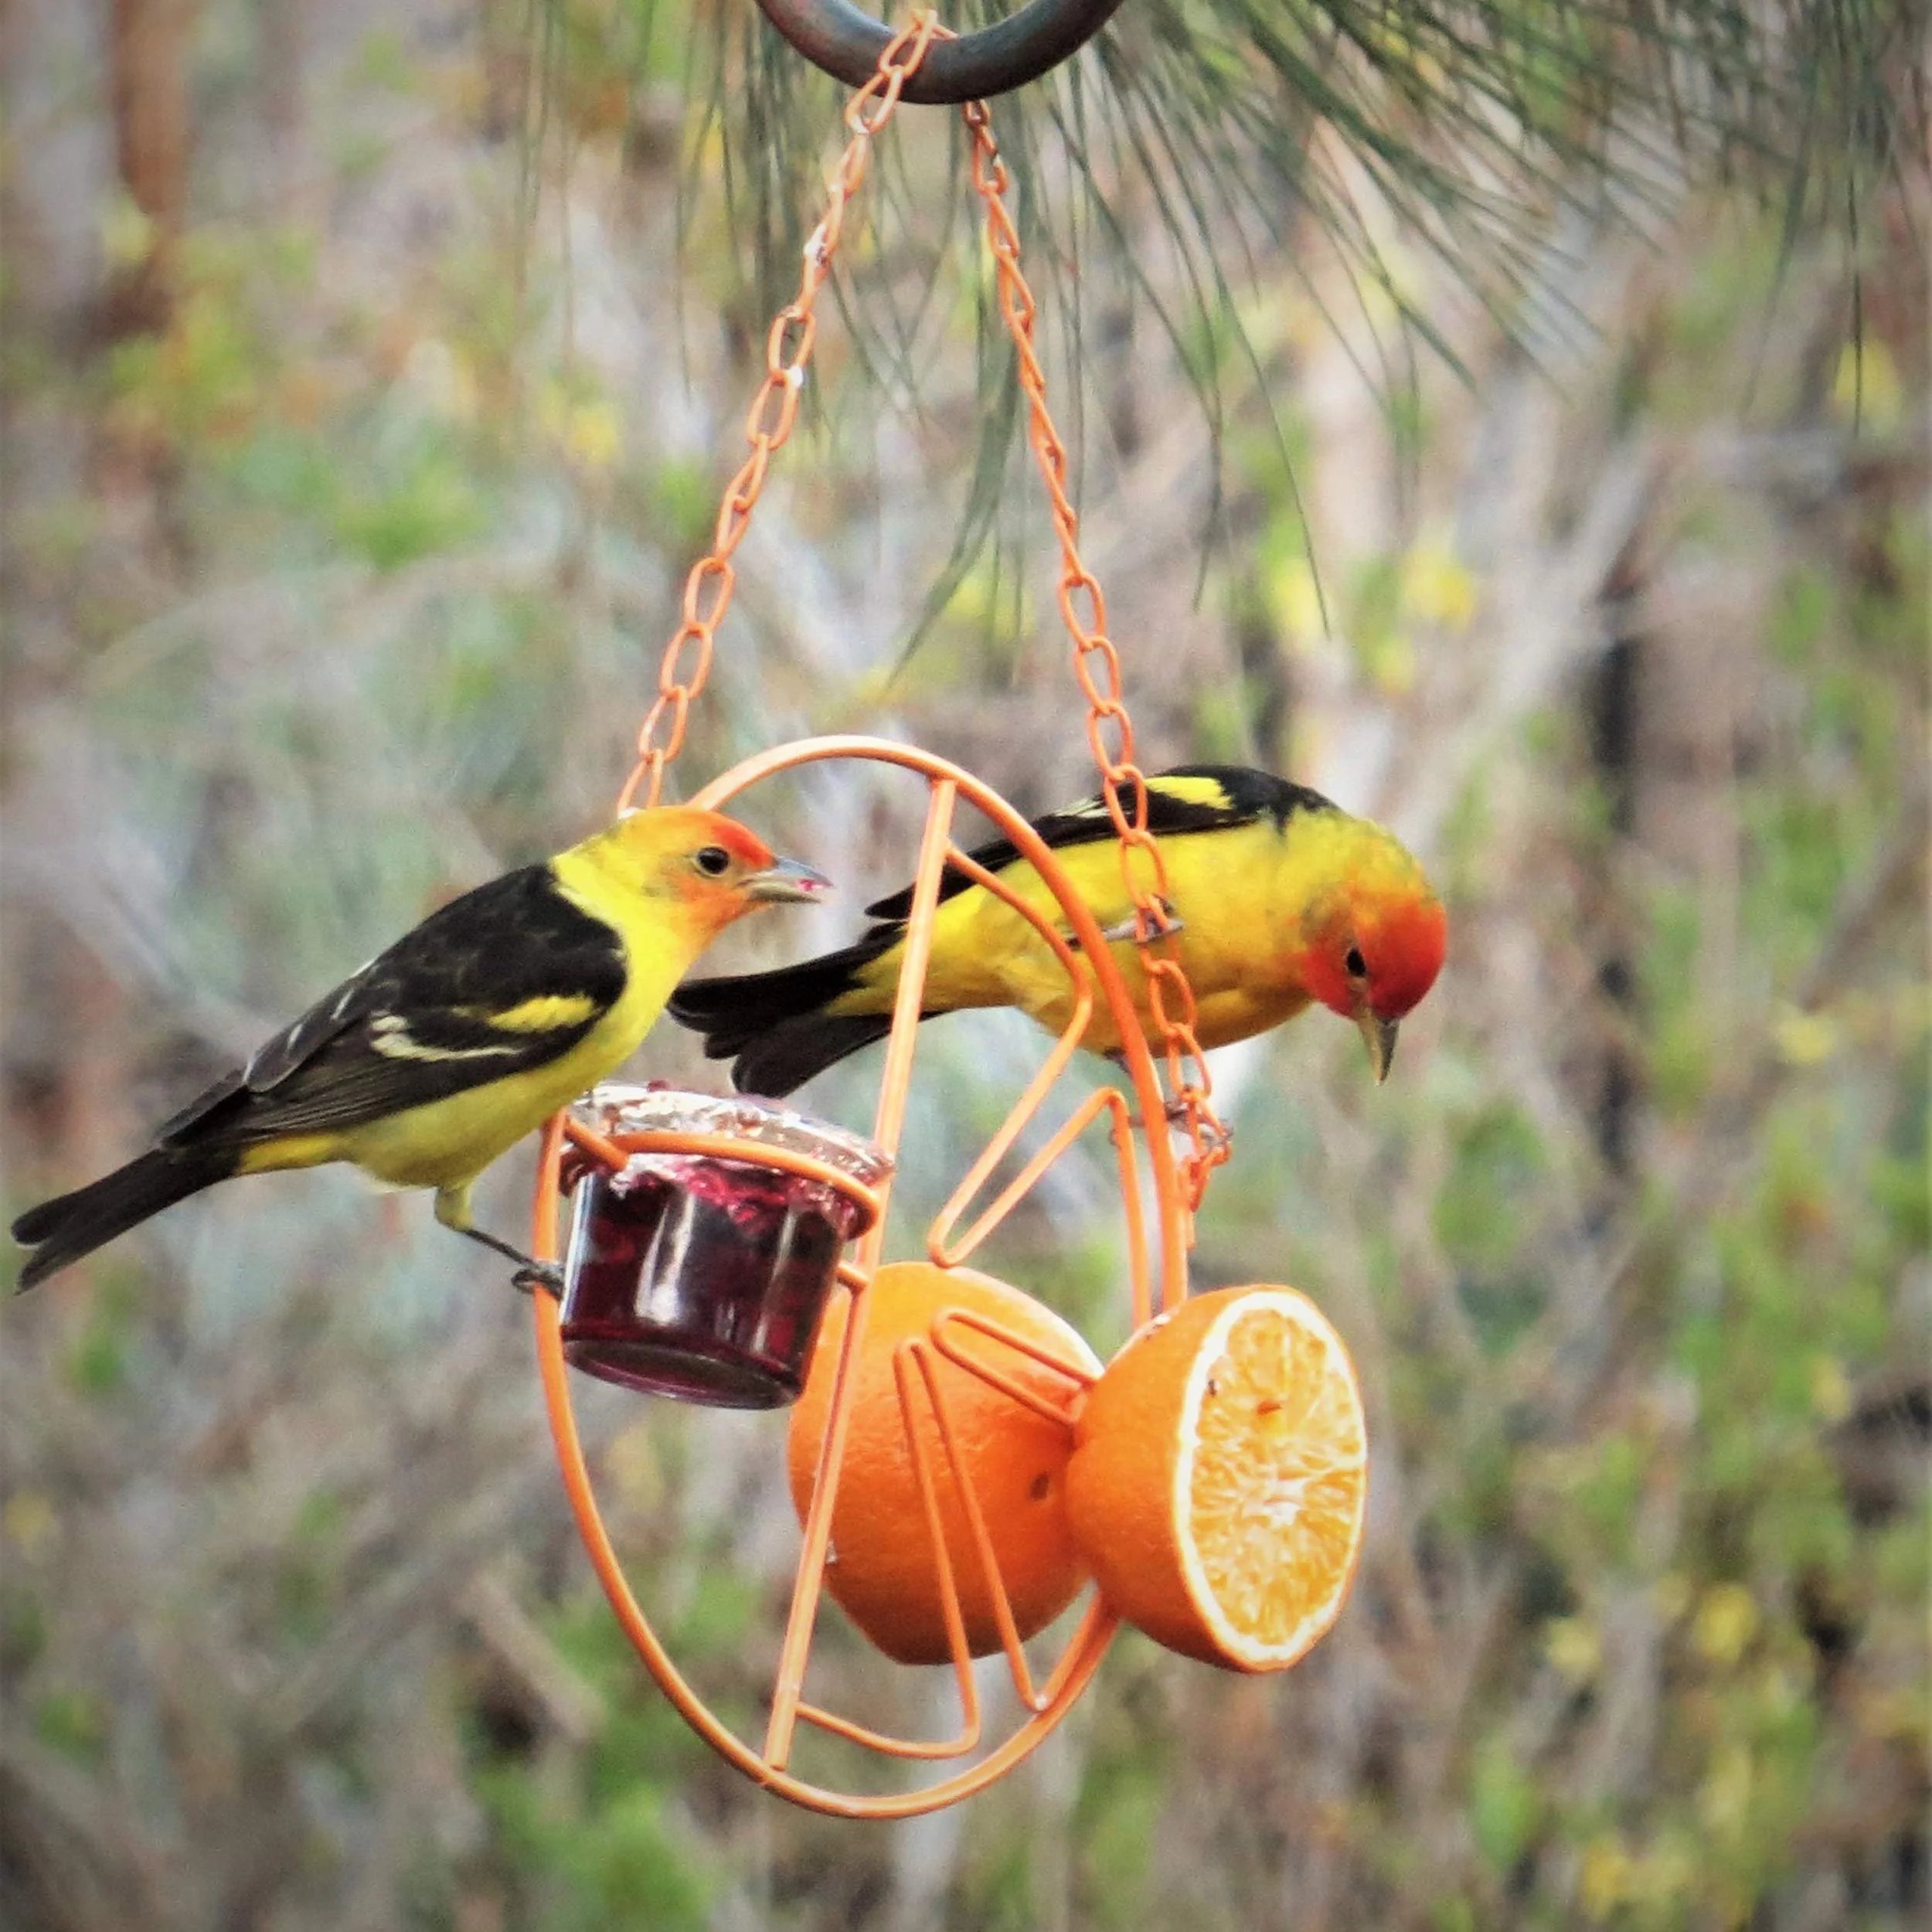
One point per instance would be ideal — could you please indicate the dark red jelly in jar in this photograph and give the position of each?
(702, 1278)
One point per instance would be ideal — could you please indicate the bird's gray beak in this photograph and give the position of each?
(787, 878)
(1378, 1035)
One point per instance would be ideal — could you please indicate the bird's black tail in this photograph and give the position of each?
(62, 1230)
(773, 1027)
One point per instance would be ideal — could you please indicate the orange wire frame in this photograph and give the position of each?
(1177, 1185)
(969, 1342)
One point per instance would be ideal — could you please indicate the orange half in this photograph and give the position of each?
(1220, 1478)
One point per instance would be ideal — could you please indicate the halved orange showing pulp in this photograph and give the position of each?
(1220, 1476)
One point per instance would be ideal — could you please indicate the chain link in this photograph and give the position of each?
(1109, 731)
(686, 662)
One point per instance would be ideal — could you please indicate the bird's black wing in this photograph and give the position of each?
(1209, 798)
(422, 1020)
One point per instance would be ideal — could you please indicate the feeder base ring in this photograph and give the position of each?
(1157, 1270)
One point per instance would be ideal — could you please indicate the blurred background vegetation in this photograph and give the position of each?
(369, 374)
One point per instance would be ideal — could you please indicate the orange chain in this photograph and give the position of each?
(707, 590)
(686, 662)
(1109, 731)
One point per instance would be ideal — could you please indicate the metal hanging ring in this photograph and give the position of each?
(837, 36)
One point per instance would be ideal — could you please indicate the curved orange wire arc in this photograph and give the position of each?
(1096, 976)
(900, 1045)
(1081, 1377)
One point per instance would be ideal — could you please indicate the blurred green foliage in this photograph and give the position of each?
(342, 588)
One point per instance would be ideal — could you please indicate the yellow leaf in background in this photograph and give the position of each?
(30, 1522)
(871, 689)
(1802, 1038)
(1268, 319)
(586, 426)
(1438, 587)
(1671, 1594)
(1724, 1801)
(126, 235)
(1726, 1622)
(590, 434)
(1378, 305)
(1603, 1883)
(1392, 664)
(980, 600)
(1575, 1647)
(1294, 601)
(1665, 1874)
(1307, 327)
(1831, 1388)
(1867, 387)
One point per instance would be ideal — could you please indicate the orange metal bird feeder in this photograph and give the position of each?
(753, 1354)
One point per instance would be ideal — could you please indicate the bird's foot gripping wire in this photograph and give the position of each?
(545, 1275)
(1214, 1141)
(1163, 922)
(531, 1274)
(1176, 1114)
(1166, 924)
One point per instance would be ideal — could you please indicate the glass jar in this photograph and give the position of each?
(701, 1274)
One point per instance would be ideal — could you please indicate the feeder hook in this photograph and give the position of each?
(846, 42)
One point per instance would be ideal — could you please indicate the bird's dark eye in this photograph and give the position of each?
(713, 861)
(1357, 967)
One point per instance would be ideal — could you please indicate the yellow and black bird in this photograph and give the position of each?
(1283, 898)
(467, 1033)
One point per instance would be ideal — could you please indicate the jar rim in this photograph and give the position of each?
(617, 1108)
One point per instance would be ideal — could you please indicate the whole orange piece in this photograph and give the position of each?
(882, 1570)
(1220, 1478)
